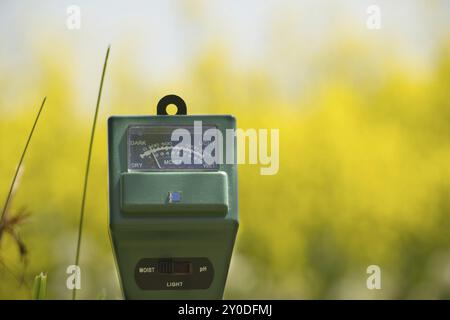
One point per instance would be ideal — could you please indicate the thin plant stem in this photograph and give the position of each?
(88, 163)
(11, 188)
(16, 277)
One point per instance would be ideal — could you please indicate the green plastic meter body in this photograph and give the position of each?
(172, 226)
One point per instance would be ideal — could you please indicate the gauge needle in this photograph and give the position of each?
(159, 166)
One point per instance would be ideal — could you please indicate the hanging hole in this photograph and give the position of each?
(171, 105)
(171, 109)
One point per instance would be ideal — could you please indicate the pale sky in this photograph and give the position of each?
(162, 37)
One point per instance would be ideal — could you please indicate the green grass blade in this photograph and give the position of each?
(86, 176)
(40, 287)
(11, 188)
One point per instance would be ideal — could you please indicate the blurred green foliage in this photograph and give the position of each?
(364, 174)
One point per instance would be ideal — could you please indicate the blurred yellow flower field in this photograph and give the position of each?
(364, 173)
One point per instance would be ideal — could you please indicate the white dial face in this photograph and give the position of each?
(151, 148)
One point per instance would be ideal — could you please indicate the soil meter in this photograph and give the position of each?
(172, 225)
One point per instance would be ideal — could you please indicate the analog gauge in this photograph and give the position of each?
(150, 148)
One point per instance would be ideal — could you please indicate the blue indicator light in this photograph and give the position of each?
(174, 196)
